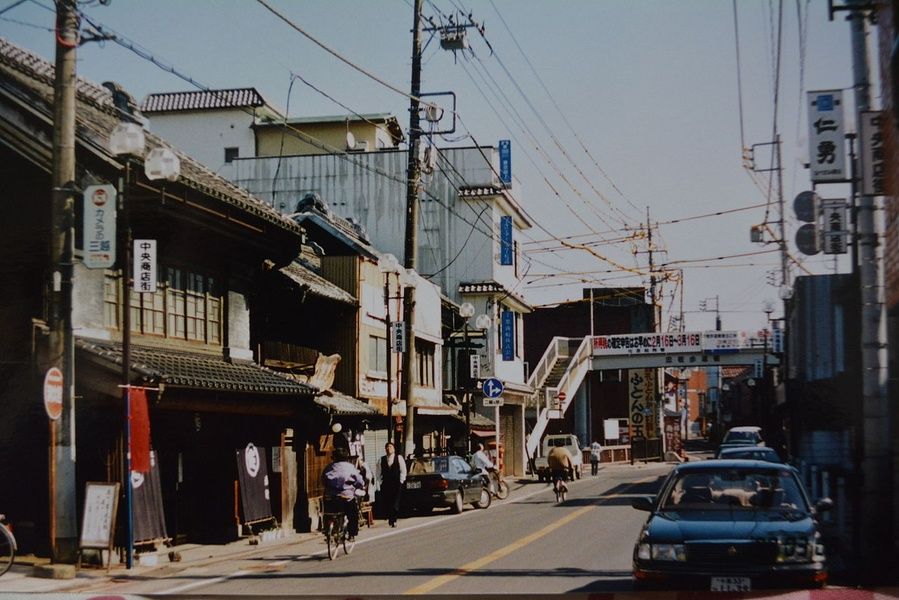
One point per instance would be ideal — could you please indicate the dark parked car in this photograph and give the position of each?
(730, 525)
(740, 437)
(443, 481)
(751, 453)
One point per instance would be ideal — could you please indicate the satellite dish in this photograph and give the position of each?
(807, 239)
(804, 206)
(350, 141)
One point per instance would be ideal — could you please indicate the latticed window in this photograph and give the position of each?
(424, 363)
(186, 305)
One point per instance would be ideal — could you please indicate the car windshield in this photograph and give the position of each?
(736, 437)
(753, 453)
(735, 488)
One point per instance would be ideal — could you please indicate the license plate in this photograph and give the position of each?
(413, 485)
(731, 584)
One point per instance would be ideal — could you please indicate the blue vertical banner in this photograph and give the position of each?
(505, 240)
(505, 161)
(508, 335)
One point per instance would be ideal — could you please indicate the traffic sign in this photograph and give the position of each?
(561, 396)
(492, 388)
(53, 393)
(493, 401)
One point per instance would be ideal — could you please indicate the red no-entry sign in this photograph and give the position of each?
(53, 393)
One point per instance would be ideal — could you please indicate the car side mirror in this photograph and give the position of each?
(823, 505)
(642, 503)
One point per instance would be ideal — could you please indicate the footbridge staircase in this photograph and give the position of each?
(555, 381)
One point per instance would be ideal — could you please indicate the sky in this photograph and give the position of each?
(614, 108)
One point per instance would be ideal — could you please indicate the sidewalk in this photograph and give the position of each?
(20, 579)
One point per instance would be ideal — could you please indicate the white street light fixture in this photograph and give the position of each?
(162, 163)
(389, 264)
(466, 310)
(786, 292)
(482, 322)
(127, 139)
(768, 307)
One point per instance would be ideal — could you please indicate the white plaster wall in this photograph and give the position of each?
(87, 302)
(204, 135)
(238, 326)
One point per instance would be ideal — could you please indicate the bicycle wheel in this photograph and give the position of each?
(501, 489)
(558, 490)
(7, 549)
(348, 544)
(331, 535)
(564, 494)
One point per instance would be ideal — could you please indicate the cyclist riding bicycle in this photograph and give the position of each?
(341, 480)
(481, 461)
(561, 465)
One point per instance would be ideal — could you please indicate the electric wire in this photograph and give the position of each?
(558, 108)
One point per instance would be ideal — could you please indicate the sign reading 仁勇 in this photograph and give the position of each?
(827, 160)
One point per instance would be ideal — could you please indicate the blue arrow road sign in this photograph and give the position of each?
(492, 388)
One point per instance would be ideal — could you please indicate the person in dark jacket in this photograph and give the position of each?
(393, 475)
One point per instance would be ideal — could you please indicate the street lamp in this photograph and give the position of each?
(482, 322)
(127, 140)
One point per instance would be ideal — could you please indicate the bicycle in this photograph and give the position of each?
(559, 487)
(499, 487)
(7, 545)
(335, 527)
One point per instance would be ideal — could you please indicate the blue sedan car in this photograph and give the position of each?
(730, 525)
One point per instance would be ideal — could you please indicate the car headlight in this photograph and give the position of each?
(644, 551)
(799, 549)
(668, 552)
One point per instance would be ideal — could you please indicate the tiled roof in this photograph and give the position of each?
(341, 404)
(194, 370)
(30, 77)
(202, 100)
(316, 284)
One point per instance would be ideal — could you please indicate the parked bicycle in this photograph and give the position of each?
(496, 484)
(335, 526)
(7, 545)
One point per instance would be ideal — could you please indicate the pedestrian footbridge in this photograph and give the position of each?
(564, 366)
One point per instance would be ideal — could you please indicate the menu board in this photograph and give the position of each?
(101, 501)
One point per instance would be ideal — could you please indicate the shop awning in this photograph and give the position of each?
(341, 404)
(314, 283)
(177, 369)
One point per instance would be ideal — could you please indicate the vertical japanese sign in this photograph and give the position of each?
(827, 161)
(833, 226)
(98, 220)
(508, 335)
(505, 240)
(873, 163)
(637, 394)
(398, 336)
(144, 266)
(505, 161)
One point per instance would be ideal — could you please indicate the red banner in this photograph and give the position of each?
(140, 430)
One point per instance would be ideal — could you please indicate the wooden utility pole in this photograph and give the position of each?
(411, 245)
(61, 348)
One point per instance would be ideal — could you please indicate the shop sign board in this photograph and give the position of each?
(827, 159)
(99, 226)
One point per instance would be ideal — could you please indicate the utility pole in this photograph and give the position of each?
(413, 180)
(876, 528)
(61, 350)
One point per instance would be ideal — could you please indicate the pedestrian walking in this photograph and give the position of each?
(393, 475)
(595, 455)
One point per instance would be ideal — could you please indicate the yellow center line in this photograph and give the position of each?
(506, 550)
